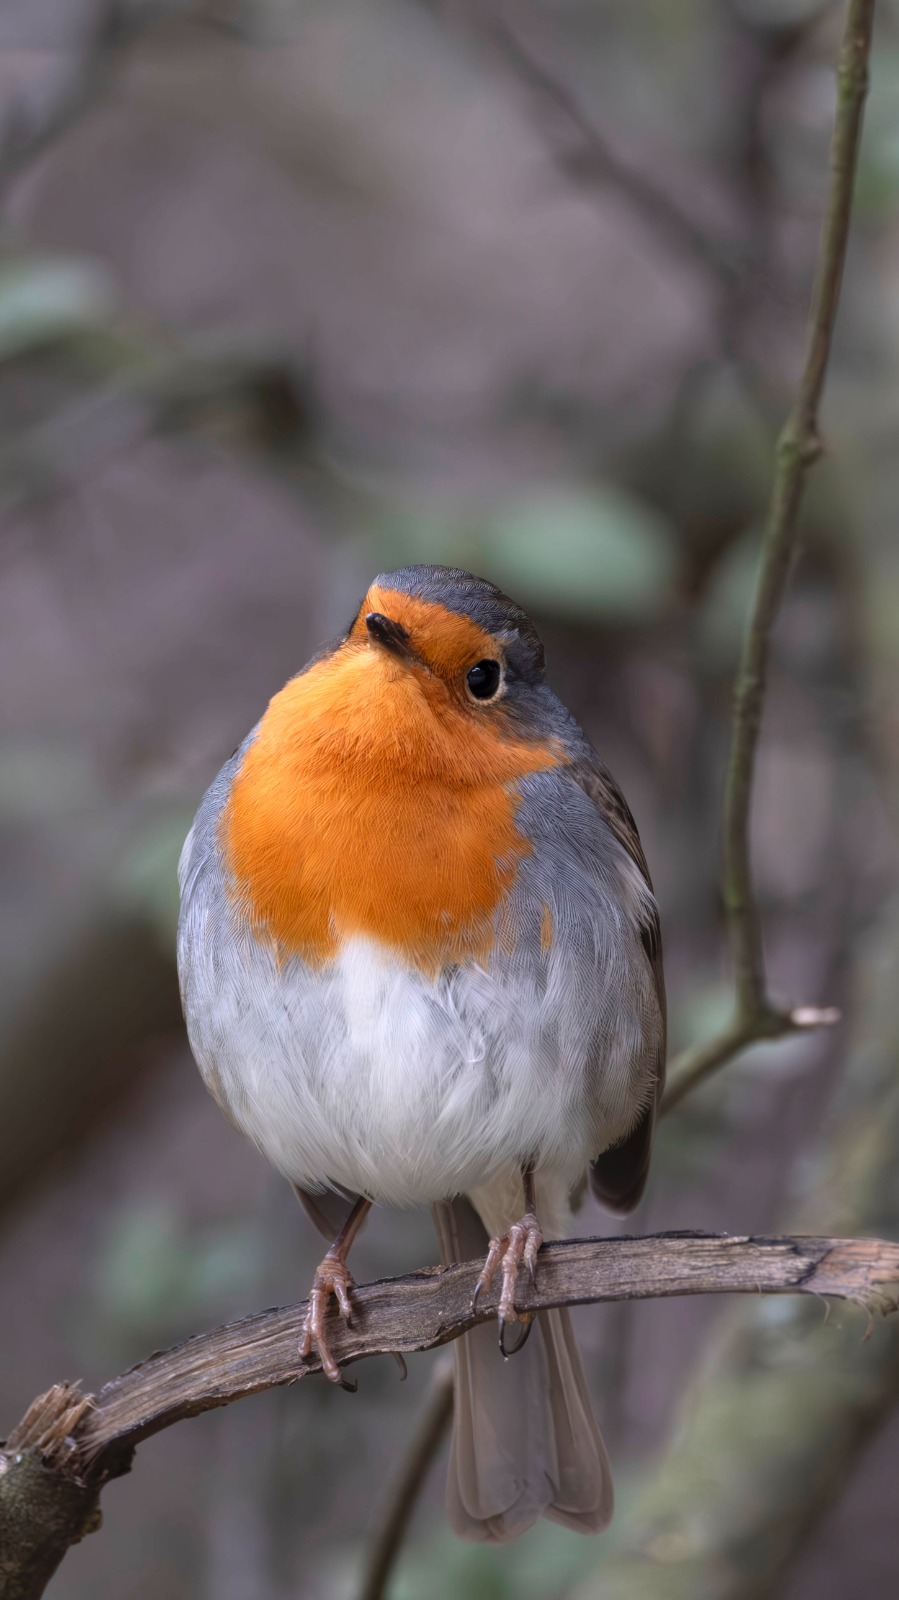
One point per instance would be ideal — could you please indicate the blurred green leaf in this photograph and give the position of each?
(45, 778)
(47, 298)
(602, 553)
(701, 1011)
(154, 1278)
(141, 1269)
(539, 1566)
(148, 875)
(877, 184)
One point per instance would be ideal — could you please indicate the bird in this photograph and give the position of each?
(421, 964)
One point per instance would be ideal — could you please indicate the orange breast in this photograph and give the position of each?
(372, 803)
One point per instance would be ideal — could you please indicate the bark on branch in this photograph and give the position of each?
(71, 1443)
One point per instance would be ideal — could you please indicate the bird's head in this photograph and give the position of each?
(470, 649)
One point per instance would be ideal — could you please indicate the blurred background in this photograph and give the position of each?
(292, 291)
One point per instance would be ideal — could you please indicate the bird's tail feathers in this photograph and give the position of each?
(525, 1441)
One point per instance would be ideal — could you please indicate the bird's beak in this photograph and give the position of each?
(390, 636)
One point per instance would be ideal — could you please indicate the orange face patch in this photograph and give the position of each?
(374, 801)
(448, 643)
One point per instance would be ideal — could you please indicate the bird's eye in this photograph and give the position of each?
(483, 679)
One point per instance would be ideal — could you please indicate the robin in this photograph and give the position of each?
(420, 963)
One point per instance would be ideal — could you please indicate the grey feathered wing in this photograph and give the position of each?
(525, 1441)
(618, 1176)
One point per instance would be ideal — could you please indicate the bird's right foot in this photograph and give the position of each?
(332, 1278)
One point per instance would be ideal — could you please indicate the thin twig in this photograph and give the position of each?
(391, 1525)
(798, 448)
(756, 1016)
(698, 1062)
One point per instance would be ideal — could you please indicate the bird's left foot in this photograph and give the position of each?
(519, 1246)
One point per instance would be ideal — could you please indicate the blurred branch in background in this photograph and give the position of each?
(733, 253)
(799, 446)
(239, 393)
(28, 130)
(395, 1516)
(593, 160)
(84, 1443)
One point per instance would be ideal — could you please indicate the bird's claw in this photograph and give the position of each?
(526, 1320)
(332, 1277)
(519, 1246)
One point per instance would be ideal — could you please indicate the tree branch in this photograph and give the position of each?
(433, 1306)
(81, 1441)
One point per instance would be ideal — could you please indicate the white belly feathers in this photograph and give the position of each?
(392, 1085)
